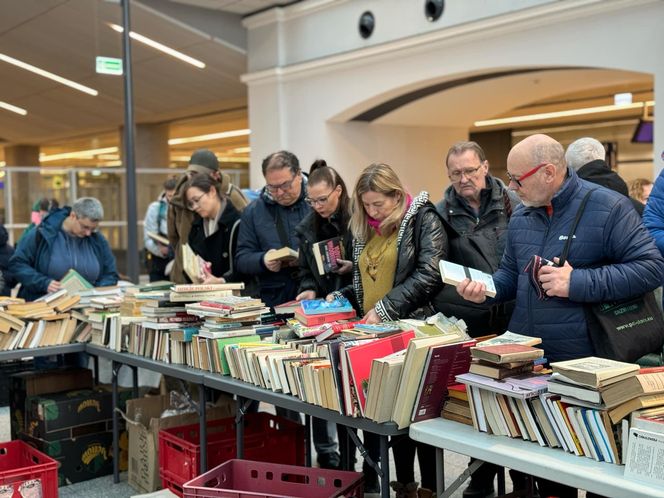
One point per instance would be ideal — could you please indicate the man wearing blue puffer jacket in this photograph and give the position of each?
(612, 255)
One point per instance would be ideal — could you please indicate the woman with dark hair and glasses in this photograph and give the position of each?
(328, 197)
(213, 234)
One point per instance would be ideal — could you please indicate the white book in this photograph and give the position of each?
(644, 457)
(453, 274)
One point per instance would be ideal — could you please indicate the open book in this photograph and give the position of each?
(454, 274)
(193, 265)
(74, 282)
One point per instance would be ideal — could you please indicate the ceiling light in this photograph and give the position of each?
(162, 48)
(241, 150)
(12, 108)
(563, 114)
(233, 159)
(49, 75)
(3, 164)
(81, 154)
(209, 136)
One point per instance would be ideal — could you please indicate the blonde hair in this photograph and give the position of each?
(382, 179)
(636, 188)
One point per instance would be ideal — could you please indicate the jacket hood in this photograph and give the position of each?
(599, 172)
(53, 221)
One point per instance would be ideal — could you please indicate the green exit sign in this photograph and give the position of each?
(109, 65)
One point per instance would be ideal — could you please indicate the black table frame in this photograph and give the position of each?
(245, 392)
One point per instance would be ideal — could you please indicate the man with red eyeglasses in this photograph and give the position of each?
(612, 255)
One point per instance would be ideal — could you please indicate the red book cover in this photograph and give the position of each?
(443, 364)
(315, 320)
(360, 358)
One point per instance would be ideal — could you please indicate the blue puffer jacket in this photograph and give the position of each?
(30, 262)
(610, 233)
(653, 215)
(258, 234)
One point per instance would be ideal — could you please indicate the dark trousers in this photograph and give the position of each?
(404, 449)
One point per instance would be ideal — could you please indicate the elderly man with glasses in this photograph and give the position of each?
(612, 256)
(67, 238)
(269, 224)
(476, 209)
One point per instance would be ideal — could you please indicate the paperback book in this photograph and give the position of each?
(327, 253)
(454, 274)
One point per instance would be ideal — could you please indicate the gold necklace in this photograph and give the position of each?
(374, 260)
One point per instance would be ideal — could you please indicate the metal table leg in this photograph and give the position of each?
(307, 441)
(134, 380)
(242, 406)
(384, 471)
(95, 363)
(115, 367)
(202, 420)
(440, 471)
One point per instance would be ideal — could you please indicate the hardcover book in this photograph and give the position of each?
(320, 319)
(595, 372)
(327, 253)
(454, 274)
(360, 358)
(321, 306)
(505, 353)
(442, 365)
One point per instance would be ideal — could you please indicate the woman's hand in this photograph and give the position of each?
(211, 279)
(344, 267)
(371, 317)
(308, 294)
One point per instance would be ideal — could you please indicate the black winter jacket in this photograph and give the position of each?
(417, 278)
(600, 173)
(477, 242)
(6, 251)
(219, 248)
(311, 279)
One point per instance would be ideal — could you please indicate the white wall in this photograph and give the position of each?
(305, 107)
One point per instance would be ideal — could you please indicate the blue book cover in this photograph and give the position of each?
(321, 306)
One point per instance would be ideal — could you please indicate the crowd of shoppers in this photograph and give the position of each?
(392, 243)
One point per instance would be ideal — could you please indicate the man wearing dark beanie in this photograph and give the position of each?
(180, 217)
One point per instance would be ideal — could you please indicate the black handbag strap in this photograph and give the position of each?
(279, 222)
(568, 242)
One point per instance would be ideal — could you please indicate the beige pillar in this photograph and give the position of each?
(25, 187)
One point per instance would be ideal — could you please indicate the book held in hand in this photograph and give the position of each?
(327, 253)
(74, 282)
(454, 274)
(285, 254)
(158, 238)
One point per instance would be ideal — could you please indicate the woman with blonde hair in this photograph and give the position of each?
(398, 241)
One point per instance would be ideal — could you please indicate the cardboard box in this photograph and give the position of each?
(83, 457)
(27, 384)
(143, 425)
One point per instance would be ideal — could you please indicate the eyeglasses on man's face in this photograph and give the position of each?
(87, 226)
(284, 187)
(319, 201)
(195, 201)
(455, 176)
(525, 175)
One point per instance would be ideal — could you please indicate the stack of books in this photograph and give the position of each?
(315, 312)
(503, 360)
(456, 406)
(189, 293)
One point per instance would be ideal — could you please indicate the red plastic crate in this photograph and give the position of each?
(267, 438)
(20, 462)
(247, 479)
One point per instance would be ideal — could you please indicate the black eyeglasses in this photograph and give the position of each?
(283, 187)
(525, 175)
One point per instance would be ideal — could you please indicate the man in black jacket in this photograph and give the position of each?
(476, 209)
(586, 156)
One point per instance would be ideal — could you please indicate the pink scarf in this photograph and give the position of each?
(375, 224)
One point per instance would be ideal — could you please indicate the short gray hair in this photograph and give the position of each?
(88, 207)
(584, 150)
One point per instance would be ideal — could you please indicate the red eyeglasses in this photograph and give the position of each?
(525, 175)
